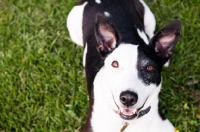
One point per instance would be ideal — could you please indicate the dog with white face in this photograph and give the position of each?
(123, 61)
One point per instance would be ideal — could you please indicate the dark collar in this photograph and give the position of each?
(143, 112)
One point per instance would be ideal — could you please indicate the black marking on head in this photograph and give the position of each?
(147, 57)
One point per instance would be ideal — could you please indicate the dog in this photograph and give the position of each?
(123, 61)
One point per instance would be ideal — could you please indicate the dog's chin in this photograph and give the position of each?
(128, 114)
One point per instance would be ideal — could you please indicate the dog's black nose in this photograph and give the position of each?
(128, 98)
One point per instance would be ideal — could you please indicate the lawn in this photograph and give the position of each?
(42, 84)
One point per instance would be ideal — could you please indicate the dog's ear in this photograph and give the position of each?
(165, 40)
(106, 35)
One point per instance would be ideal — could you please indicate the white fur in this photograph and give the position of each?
(107, 14)
(167, 63)
(84, 55)
(74, 23)
(149, 20)
(98, 1)
(143, 36)
(110, 82)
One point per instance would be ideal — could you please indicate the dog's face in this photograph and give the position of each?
(131, 74)
(131, 78)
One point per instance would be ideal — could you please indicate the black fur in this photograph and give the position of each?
(147, 57)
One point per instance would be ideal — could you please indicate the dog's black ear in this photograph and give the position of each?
(165, 40)
(106, 35)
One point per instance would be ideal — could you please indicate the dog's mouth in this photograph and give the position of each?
(129, 114)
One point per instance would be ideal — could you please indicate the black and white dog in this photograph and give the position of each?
(123, 60)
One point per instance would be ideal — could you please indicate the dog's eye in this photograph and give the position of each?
(115, 64)
(150, 68)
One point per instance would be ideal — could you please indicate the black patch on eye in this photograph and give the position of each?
(147, 57)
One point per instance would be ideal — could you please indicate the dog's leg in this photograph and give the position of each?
(149, 20)
(74, 23)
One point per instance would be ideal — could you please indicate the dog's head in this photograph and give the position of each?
(131, 75)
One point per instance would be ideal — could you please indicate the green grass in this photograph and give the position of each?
(42, 85)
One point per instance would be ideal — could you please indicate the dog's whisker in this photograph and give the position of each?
(115, 101)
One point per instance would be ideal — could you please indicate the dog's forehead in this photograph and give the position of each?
(124, 53)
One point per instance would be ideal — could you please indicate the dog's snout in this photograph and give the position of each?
(128, 98)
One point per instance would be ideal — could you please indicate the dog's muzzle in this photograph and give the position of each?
(129, 99)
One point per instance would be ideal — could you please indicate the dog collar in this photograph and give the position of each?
(144, 112)
(141, 113)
